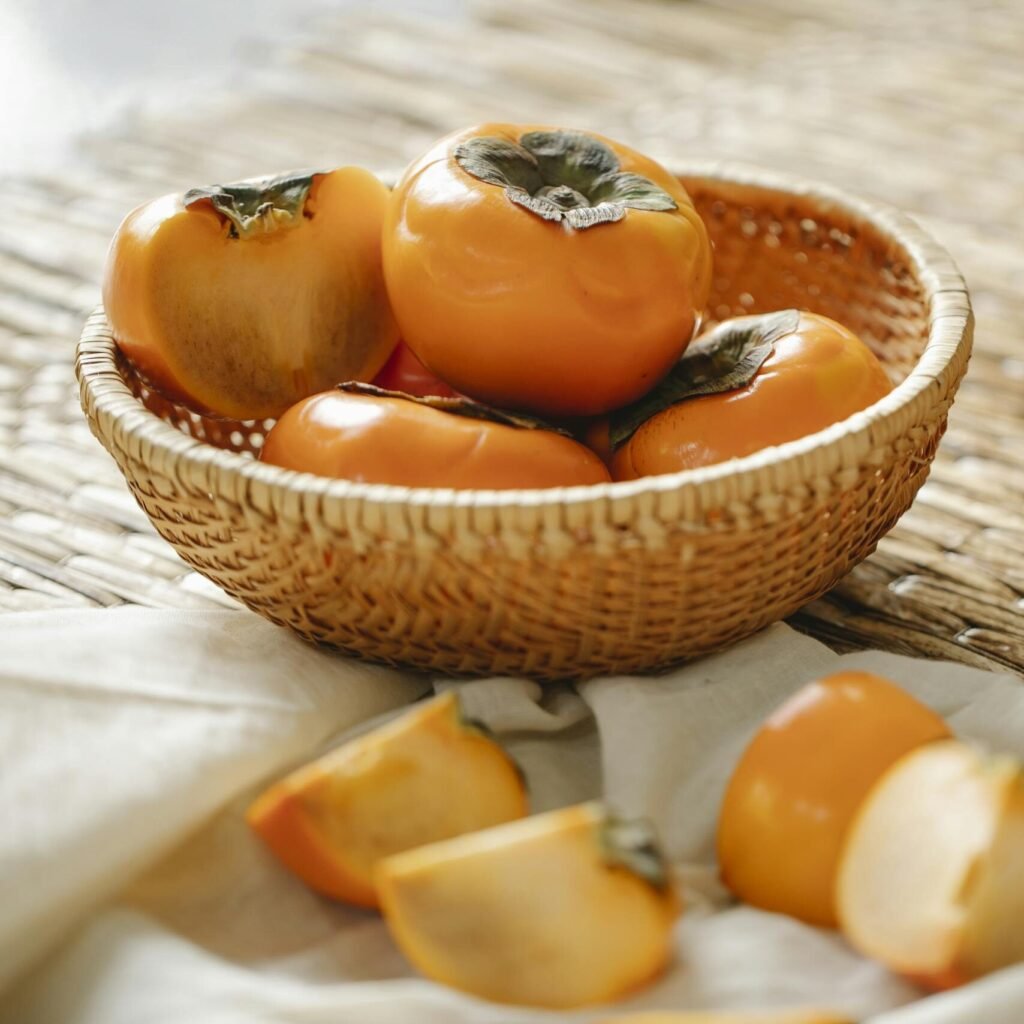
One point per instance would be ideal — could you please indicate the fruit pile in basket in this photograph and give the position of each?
(518, 312)
(852, 807)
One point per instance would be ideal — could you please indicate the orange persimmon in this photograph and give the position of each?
(391, 439)
(543, 269)
(426, 776)
(560, 910)
(242, 299)
(816, 375)
(799, 783)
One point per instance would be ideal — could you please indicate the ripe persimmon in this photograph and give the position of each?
(388, 438)
(560, 910)
(543, 269)
(800, 782)
(816, 374)
(404, 372)
(426, 776)
(241, 299)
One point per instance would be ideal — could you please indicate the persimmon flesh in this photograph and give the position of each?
(241, 299)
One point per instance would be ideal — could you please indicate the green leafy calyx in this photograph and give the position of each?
(457, 407)
(724, 359)
(563, 176)
(259, 206)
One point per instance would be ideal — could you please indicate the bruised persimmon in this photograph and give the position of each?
(815, 374)
(544, 269)
(388, 438)
(241, 299)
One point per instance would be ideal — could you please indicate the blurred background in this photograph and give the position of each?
(918, 103)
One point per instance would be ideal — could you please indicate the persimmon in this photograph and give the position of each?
(931, 880)
(798, 784)
(544, 269)
(241, 299)
(404, 372)
(428, 775)
(815, 373)
(386, 437)
(560, 910)
(730, 1017)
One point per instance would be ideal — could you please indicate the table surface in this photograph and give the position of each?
(915, 103)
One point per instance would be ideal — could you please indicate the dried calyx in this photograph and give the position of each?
(457, 406)
(724, 359)
(563, 176)
(633, 844)
(258, 206)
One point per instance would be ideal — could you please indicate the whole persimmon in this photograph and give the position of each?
(389, 438)
(241, 299)
(544, 269)
(816, 373)
(404, 372)
(800, 782)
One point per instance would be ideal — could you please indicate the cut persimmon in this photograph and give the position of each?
(733, 1017)
(564, 909)
(800, 781)
(931, 880)
(428, 775)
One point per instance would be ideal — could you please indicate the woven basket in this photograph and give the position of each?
(575, 582)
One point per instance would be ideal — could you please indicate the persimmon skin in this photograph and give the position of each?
(801, 780)
(524, 313)
(243, 327)
(818, 375)
(383, 440)
(404, 372)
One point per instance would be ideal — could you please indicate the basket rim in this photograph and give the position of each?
(109, 403)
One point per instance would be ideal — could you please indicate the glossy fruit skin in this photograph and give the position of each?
(818, 375)
(800, 782)
(523, 313)
(395, 441)
(245, 327)
(426, 776)
(404, 372)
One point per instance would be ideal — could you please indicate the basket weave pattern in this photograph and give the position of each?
(576, 582)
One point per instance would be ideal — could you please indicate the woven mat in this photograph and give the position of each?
(914, 103)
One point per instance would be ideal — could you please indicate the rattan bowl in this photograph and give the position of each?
(590, 580)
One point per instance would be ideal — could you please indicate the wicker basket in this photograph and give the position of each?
(575, 582)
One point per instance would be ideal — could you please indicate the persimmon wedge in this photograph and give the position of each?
(800, 781)
(734, 1017)
(428, 775)
(241, 299)
(389, 438)
(564, 909)
(931, 880)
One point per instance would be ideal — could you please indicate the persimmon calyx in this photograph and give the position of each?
(724, 359)
(633, 844)
(457, 406)
(562, 176)
(259, 206)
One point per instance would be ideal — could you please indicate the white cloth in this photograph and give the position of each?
(131, 742)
